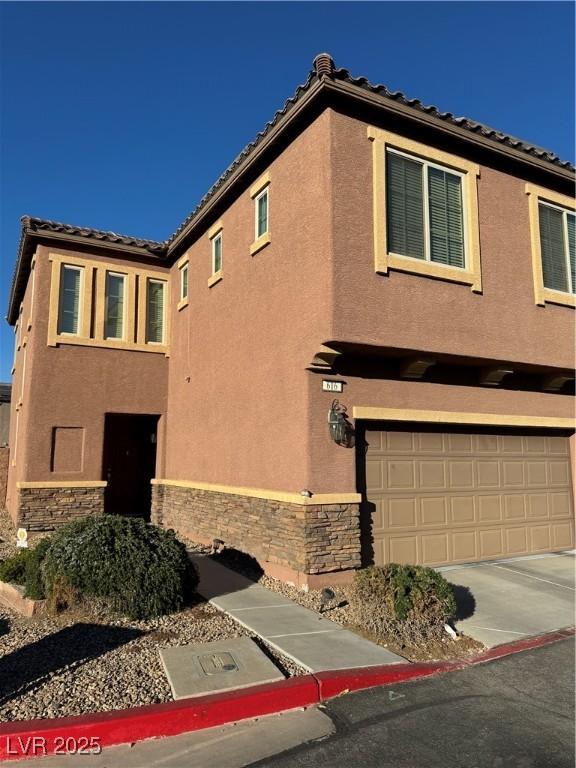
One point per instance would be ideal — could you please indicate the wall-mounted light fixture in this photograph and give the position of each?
(341, 431)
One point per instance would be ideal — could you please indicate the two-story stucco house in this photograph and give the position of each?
(417, 267)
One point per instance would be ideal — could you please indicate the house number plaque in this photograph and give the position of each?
(332, 386)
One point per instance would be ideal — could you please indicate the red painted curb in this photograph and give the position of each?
(158, 720)
(336, 682)
(526, 644)
(37, 738)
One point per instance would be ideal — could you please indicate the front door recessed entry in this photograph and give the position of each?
(129, 463)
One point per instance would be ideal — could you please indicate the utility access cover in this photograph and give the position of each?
(195, 670)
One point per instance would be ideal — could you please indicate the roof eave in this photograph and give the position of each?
(31, 237)
(328, 87)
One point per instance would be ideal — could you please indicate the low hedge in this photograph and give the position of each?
(140, 570)
(408, 603)
(24, 569)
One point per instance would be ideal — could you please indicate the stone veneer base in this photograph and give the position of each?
(304, 544)
(44, 509)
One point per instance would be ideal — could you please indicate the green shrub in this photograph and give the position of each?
(410, 603)
(13, 569)
(34, 582)
(140, 570)
(24, 569)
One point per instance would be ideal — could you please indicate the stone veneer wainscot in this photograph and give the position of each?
(306, 538)
(46, 508)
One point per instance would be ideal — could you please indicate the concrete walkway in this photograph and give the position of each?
(505, 600)
(314, 642)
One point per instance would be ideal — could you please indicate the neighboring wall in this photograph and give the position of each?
(73, 386)
(237, 412)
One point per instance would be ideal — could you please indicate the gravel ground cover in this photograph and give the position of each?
(339, 610)
(89, 660)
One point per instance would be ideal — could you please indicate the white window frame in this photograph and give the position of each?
(217, 237)
(79, 269)
(163, 283)
(124, 303)
(564, 211)
(259, 196)
(426, 203)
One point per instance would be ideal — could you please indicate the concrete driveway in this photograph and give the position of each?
(504, 600)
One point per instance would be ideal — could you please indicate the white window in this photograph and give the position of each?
(155, 311)
(69, 307)
(261, 213)
(115, 305)
(425, 210)
(558, 247)
(184, 282)
(217, 253)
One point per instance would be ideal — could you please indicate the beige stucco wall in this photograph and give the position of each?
(75, 386)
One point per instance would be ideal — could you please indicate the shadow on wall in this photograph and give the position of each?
(28, 668)
(241, 562)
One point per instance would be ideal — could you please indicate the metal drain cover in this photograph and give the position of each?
(216, 663)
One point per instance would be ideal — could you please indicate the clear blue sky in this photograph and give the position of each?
(120, 115)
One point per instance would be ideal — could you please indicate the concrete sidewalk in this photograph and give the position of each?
(505, 600)
(312, 641)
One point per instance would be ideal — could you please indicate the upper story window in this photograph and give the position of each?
(558, 248)
(69, 309)
(92, 303)
(425, 208)
(262, 213)
(260, 193)
(552, 227)
(217, 253)
(184, 281)
(155, 311)
(115, 290)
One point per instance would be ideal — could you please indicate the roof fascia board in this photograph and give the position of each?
(251, 160)
(412, 114)
(327, 85)
(87, 242)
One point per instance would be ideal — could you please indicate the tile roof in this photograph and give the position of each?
(323, 67)
(33, 224)
(323, 70)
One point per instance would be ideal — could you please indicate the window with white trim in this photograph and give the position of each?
(69, 305)
(155, 311)
(425, 210)
(115, 308)
(217, 253)
(557, 247)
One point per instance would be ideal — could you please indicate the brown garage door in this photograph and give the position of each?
(443, 497)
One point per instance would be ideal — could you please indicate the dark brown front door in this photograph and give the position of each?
(129, 463)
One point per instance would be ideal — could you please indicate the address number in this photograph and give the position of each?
(332, 386)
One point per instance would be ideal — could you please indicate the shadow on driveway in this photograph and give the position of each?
(27, 668)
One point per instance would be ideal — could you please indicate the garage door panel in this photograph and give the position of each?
(440, 497)
(461, 474)
(402, 513)
(435, 548)
(431, 475)
(489, 508)
(433, 511)
(462, 509)
(562, 536)
(516, 540)
(514, 506)
(488, 474)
